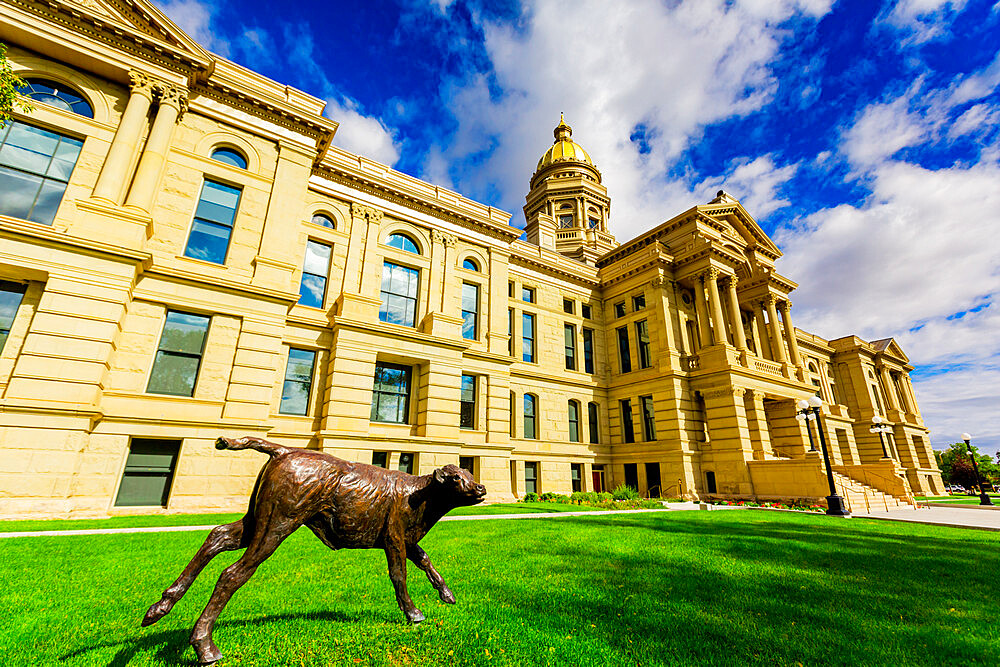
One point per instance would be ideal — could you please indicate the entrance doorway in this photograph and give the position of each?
(653, 480)
(632, 475)
(597, 473)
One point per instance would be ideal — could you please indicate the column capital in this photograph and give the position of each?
(366, 213)
(141, 84)
(784, 304)
(730, 281)
(769, 300)
(447, 240)
(711, 274)
(661, 281)
(172, 96)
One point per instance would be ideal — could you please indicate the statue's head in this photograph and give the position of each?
(458, 485)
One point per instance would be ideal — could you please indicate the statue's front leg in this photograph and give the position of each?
(397, 573)
(423, 561)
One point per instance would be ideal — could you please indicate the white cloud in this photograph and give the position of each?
(358, 133)
(756, 180)
(195, 18)
(582, 58)
(922, 20)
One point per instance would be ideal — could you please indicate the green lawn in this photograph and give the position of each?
(956, 500)
(725, 588)
(215, 519)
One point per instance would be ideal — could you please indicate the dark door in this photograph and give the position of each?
(710, 481)
(149, 470)
(653, 479)
(598, 474)
(632, 475)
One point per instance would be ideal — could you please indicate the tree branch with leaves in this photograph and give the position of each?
(10, 83)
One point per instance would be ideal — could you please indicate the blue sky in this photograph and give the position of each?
(862, 135)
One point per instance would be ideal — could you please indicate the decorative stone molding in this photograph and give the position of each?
(141, 84)
(712, 274)
(660, 281)
(769, 300)
(730, 281)
(366, 213)
(171, 95)
(447, 240)
(725, 392)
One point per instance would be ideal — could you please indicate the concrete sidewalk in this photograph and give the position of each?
(959, 517)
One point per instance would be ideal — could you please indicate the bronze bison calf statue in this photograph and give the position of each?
(347, 505)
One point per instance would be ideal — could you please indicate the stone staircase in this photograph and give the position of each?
(861, 498)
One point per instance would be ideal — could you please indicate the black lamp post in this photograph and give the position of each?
(834, 503)
(805, 414)
(879, 426)
(983, 498)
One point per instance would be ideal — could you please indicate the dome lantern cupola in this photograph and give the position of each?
(567, 208)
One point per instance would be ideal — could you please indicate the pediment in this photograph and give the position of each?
(733, 219)
(890, 348)
(139, 16)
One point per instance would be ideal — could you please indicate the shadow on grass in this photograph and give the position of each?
(170, 646)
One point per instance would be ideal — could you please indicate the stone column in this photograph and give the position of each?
(760, 436)
(354, 301)
(114, 173)
(496, 327)
(581, 214)
(908, 388)
(173, 102)
(760, 336)
(435, 281)
(734, 305)
(701, 312)
(793, 345)
(777, 348)
(371, 265)
(718, 321)
(889, 389)
(730, 437)
(450, 303)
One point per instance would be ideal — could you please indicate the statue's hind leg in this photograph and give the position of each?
(228, 537)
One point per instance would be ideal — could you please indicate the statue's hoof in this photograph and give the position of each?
(156, 612)
(447, 596)
(415, 616)
(208, 653)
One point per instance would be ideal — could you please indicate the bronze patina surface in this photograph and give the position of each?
(347, 505)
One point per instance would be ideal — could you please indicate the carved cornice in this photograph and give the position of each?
(445, 239)
(367, 213)
(725, 392)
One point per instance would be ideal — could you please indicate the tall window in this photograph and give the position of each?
(574, 421)
(391, 394)
(298, 382)
(627, 432)
(35, 165)
(513, 412)
(588, 350)
(510, 331)
(642, 338)
(380, 459)
(470, 311)
(624, 355)
(149, 469)
(648, 418)
(620, 309)
(399, 294)
(213, 222)
(595, 433)
(565, 221)
(638, 302)
(528, 337)
(178, 356)
(57, 95)
(569, 306)
(585, 311)
(10, 298)
(467, 413)
(528, 294)
(569, 332)
(529, 417)
(315, 269)
(530, 477)
(576, 476)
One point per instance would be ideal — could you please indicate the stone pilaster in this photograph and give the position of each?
(777, 347)
(793, 345)
(360, 298)
(739, 335)
(701, 312)
(172, 103)
(715, 303)
(114, 172)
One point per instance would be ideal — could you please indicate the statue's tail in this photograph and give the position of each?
(246, 442)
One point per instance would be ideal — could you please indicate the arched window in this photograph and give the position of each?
(529, 417)
(402, 242)
(57, 95)
(470, 264)
(230, 156)
(595, 433)
(323, 220)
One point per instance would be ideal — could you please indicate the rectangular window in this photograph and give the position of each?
(620, 309)
(391, 394)
(468, 463)
(569, 332)
(510, 288)
(467, 413)
(149, 470)
(588, 350)
(529, 417)
(298, 382)
(624, 355)
(565, 221)
(632, 475)
(10, 299)
(510, 331)
(406, 463)
(593, 222)
(595, 433)
(531, 477)
(576, 476)
(35, 165)
(628, 434)
(585, 311)
(574, 421)
(213, 222)
(528, 294)
(528, 337)
(470, 311)
(648, 418)
(380, 459)
(178, 356)
(315, 269)
(642, 339)
(569, 306)
(639, 302)
(399, 294)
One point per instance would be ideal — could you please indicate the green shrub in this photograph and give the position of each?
(604, 497)
(530, 498)
(625, 492)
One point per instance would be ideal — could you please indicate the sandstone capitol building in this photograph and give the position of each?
(185, 254)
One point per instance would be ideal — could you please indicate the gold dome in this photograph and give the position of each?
(564, 149)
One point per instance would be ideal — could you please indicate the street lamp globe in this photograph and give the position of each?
(877, 419)
(815, 402)
(803, 404)
(966, 437)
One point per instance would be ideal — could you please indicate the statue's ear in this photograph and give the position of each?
(452, 470)
(439, 476)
